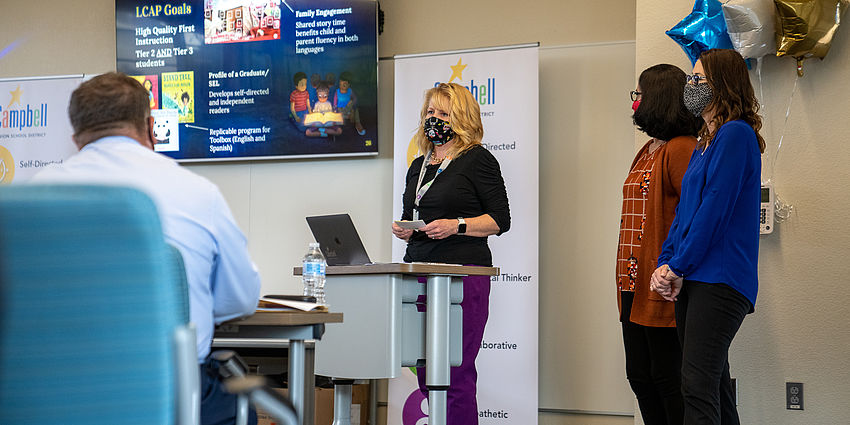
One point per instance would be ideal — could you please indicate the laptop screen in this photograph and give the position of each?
(338, 240)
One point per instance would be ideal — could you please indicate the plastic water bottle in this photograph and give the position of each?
(313, 273)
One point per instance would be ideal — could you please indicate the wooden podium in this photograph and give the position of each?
(383, 330)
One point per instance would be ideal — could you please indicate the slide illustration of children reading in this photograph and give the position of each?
(322, 103)
(345, 101)
(323, 121)
(315, 80)
(330, 80)
(299, 100)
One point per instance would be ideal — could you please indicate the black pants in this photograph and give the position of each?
(653, 366)
(218, 407)
(707, 317)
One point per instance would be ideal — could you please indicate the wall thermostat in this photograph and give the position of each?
(766, 214)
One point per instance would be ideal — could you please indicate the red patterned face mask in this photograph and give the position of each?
(635, 105)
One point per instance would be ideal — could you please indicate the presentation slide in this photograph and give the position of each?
(251, 79)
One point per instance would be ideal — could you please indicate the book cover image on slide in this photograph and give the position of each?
(165, 130)
(229, 21)
(178, 92)
(151, 84)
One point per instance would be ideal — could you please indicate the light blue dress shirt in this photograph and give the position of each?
(223, 282)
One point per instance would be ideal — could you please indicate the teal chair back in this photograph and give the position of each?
(89, 309)
(181, 284)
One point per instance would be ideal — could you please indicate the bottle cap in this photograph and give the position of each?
(314, 244)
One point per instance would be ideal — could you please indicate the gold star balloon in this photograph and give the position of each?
(805, 28)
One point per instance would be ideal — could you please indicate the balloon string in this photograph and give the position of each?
(761, 84)
(784, 127)
(782, 210)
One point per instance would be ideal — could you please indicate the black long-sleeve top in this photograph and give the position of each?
(470, 186)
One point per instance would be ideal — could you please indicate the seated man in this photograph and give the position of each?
(113, 126)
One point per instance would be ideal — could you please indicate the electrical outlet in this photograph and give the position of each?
(794, 395)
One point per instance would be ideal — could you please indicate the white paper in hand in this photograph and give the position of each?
(410, 224)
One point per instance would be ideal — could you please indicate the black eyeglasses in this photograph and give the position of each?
(696, 79)
(635, 95)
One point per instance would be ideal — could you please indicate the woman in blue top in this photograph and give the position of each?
(708, 263)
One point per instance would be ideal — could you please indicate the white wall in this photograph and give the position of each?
(585, 146)
(797, 332)
(270, 200)
(585, 153)
(585, 149)
(414, 26)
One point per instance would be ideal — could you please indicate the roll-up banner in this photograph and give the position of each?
(34, 127)
(504, 81)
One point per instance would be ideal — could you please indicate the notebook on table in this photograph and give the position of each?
(338, 240)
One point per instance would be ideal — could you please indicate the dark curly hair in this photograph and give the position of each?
(662, 113)
(734, 97)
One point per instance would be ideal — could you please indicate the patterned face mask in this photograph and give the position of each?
(438, 131)
(697, 97)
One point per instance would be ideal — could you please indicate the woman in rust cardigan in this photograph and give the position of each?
(650, 195)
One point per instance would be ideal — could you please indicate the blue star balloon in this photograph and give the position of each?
(703, 29)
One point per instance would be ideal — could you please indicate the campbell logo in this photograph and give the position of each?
(18, 116)
(483, 90)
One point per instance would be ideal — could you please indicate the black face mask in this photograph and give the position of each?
(438, 131)
(697, 97)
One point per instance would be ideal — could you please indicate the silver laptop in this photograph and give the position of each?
(338, 239)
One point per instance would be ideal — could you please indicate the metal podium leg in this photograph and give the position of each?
(342, 402)
(437, 376)
(297, 381)
(309, 384)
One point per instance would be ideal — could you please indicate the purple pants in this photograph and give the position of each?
(462, 403)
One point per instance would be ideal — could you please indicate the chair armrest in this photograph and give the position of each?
(188, 376)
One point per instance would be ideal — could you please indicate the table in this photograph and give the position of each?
(283, 329)
(383, 330)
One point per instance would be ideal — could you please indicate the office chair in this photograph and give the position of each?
(181, 282)
(91, 327)
(188, 379)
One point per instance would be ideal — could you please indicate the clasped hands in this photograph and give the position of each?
(437, 229)
(665, 282)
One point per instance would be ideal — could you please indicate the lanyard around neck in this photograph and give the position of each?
(420, 188)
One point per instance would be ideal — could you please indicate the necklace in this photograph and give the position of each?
(420, 188)
(434, 159)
